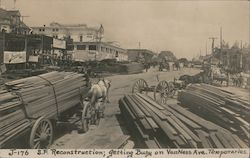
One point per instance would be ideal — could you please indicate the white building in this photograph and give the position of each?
(77, 32)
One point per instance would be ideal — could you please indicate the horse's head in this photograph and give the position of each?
(104, 82)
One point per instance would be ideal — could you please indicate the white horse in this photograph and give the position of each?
(99, 92)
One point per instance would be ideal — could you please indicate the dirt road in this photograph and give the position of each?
(111, 126)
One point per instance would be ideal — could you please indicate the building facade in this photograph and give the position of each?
(97, 51)
(77, 32)
(10, 22)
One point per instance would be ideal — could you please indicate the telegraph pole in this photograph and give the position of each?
(139, 45)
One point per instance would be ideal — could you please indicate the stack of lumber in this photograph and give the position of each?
(50, 93)
(12, 116)
(120, 68)
(133, 68)
(45, 95)
(218, 106)
(172, 126)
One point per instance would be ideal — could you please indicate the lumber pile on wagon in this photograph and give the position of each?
(172, 126)
(218, 106)
(46, 95)
(12, 116)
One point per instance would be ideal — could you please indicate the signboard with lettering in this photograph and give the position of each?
(61, 44)
(14, 57)
(33, 58)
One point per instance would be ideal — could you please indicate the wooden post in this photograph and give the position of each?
(42, 49)
(26, 50)
(3, 46)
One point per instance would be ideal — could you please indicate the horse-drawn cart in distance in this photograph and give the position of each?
(35, 105)
(161, 92)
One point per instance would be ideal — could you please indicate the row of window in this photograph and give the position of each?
(83, 47)
(80, 38)
(56, 29)
(94, 47)
(43, 29)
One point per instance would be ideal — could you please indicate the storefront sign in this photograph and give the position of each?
(14, 57)
(33, 58)
(59, 44)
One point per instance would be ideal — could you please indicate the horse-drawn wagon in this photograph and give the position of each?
(35, 105)
(161, 91)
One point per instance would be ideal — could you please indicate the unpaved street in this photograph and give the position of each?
(111, 126)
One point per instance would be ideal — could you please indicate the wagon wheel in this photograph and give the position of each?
(140, 86)
(161, 92)
(41, 135)
(85, 118)
(172, 89)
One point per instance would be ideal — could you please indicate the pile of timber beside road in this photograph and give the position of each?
(218, 106)
(172, 126)
(119, 68)
(47, 95)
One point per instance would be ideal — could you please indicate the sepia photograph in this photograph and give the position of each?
(124, 74)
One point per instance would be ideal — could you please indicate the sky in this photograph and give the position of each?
(182, 27)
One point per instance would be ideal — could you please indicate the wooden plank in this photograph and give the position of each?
(242, 121)
(142, 108)
(232, 142)
(223, 140)
(215, 140)
(145, 124)
(180, 142)
(141, 132)
(150, 101)
(205, 124)
(151, 144)
(239, 141)
(184, 119)
(134, 107)
(204, 140)
(245, 131)
(166, 128)
(184, 127)
(229, 111)
(152, 108)
(152, 123)
(181, 131)
(126, 108)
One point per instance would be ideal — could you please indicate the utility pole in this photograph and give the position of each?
(221, 38)
(221, 57)
(206, 47)
(213, 38)
(14, 4)
(139, 45)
